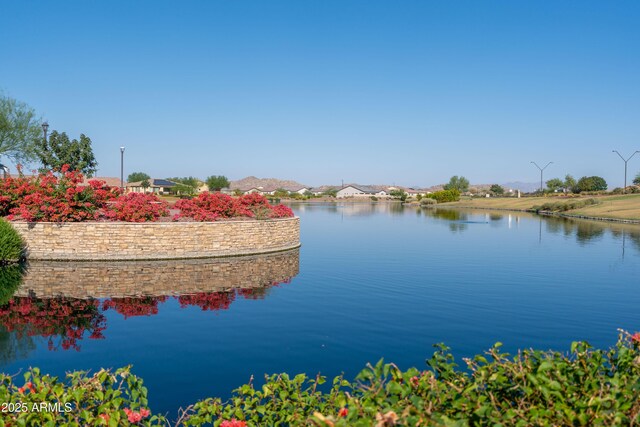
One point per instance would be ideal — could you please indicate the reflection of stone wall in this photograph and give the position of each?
(157, 240)
(47, 279)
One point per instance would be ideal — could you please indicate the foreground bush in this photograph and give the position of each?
(584, 387)
(12, 246)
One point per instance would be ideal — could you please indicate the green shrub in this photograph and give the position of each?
(428, 201)
(445, 196)
(10, 280)
(533, 388)
(565, 205)
(374, 198)
(12, 247)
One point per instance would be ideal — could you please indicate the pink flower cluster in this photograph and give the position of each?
(233, 423)
(213, 206)
(135, 417)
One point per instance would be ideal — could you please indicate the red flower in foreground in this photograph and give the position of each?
(233, 423)
(136, 417)
(343, 412)
(635, 338)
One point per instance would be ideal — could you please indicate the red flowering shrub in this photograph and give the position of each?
(281, 211)
(48, 197)
(65, 318)
(136, 207)
(213, 206)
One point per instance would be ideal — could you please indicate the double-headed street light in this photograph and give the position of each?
(541, 170)
(624, 190)
(122, 169)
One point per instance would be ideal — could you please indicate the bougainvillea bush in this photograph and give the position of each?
(214, 206)
(58, 196)
(584, 387)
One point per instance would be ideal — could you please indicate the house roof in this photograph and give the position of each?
(365, 189)
(153, 182)
(108, 180)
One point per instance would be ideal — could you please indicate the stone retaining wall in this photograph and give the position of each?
(48, 279)
(106, 241)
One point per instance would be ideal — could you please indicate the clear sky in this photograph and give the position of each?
(405, 92)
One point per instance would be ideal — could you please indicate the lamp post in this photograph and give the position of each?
(122, 169)
(541, 170)
(624, 190)
(45, 128)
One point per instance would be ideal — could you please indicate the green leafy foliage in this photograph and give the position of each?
(399, 194)
(583, 387)
(12, 247)
(590, 183)
(217, 182)
(636, 180)
(426, 201)
(459, 183)
(137, 177)
(20, 130)
(10, 280)
(555, 184)
(445, 196)
(59, 150)
(497, 190)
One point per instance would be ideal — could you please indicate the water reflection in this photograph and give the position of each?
(458, 220)
(66, 303)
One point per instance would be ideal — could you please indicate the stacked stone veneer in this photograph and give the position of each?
(47, 279)
(157, 240)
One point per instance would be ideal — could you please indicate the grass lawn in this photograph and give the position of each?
(618, 207)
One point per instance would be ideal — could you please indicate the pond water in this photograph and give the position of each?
(370, 281)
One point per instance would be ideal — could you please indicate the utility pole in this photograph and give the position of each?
(122, 169)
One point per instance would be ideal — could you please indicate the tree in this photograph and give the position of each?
(555, 184)
(497, 190)
(187, 185)
(399, 194)
(58, 150)
(217, 182)
(636, 180)
(20, 130)
(331, 192)
(145, 184)
(281, 192)
(137, 176)
(459, 183)
(569, 183)
(591, 183)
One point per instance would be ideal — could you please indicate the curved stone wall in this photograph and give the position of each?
(108, 241)
(50, 279)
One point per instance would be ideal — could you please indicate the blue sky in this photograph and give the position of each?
(407, 92)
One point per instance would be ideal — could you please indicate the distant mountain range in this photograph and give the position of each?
(274, 183)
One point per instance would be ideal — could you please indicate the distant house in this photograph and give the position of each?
(298, 189)
(156, 186)
(359, 191)
(108, 180)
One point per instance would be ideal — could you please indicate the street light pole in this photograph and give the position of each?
(624, 190)
(45, 128)
(122, 169)
(541, 170)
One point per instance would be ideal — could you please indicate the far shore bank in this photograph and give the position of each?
(611, 208)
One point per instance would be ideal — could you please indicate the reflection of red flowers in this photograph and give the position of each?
(208, 301)
(134, 306)
(233, 423)
(66, 318)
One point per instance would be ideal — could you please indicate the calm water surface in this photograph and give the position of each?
(370, 281)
